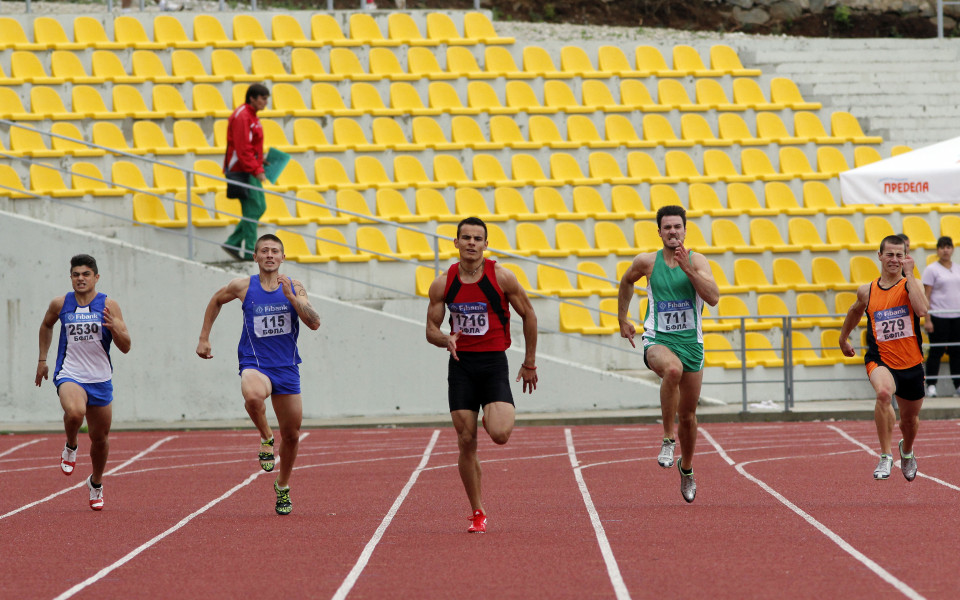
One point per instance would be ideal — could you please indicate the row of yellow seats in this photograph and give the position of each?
(208, 30)
(339, 64)
(718, 352)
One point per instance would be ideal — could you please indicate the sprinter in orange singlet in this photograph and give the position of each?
(894, 304)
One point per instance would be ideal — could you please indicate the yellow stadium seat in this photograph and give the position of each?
(687, 60)
(488, 171)
(733, 311)
(461, 63)
(449, 172)
(129, 32)
(865, 155)
(817, 196)
(612, 60)
(555, 282)
(734, 129)
(508, 203)
(477, 27)
(576, 318)
(373, 243)
(680, 165)
(537, 62)
(287, 31)
(325, 30)
(780, 198)
(814, 311)
(305, 63)
(588, 202)
(826, 271)
(442, 30)
(786, 271)
(717, 352)
(717, 163)
(919, 231)
(470, 202)
(703, 199)
(625, 199)
(842, 233)
(465, 132)
(765, 235)
(364, 29)
(422, 63)
(565, 169)
(531, 240)
(844, 125)
(807, 125)
(755, 163)
(295, 248)
(830, 342)
(443, 98)
(863, 269)
(804, 234)
(760, 351)
(48, 33)
(771, 309)
(771, 128)
(414, 245)
(86, 179)
(557, 94)
(724, 59)
(571, 239)
(313, 207)
(784, 91)
(520, 96)
(658, 131)
(331, 244)
(149, 210)
(574, 60)
(527, 169)
(672, 94)
(247, 29)
(385, 65)
(748, 272)
(875, 229)
(609, 238)
(650, 61)
(830, 161)
(432, 205)
(747, 93)
(168, 30)
(635, 95)
(209, 30)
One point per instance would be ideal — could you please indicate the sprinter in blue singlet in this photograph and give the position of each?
(89, 323)
(273, 306)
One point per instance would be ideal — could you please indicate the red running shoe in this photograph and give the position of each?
(68, 460)
(479, 522)
(96, 495)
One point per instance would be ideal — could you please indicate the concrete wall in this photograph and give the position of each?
(361, 361)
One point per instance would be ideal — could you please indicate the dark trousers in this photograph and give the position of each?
(945, 331)
(253, 204)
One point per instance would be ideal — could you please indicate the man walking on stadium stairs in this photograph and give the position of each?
(273, 306)
(679, 281)
(479, 294)
(243, 162)
(89, 323)
(894, 304)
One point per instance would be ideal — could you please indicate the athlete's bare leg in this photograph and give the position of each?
(498, 418)
(909, 421)
(690, 384)
(289, 410)
(99, 419)
(256, 388)
(465, 422)
(73, 399)
(668, 367)
(883, 384)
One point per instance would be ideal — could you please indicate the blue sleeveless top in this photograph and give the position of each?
(270, 328)
(84, 351)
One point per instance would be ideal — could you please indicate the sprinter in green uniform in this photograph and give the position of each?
(678, 283)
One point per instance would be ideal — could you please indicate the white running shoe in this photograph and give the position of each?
(883, 467)
(68, 460)
(96, 495)
(688, 487)
(931, 391)
(908, 464)
(665, 458)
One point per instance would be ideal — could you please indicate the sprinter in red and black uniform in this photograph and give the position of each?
(479, 294)
(894, 304)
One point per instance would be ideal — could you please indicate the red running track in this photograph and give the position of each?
(782, 510)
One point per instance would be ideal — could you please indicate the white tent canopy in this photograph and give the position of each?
(929, 175)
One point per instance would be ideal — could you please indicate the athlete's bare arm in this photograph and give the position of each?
(520, 302)
(853, 317)
(46, 336)
(700, 276)
(235, 290)
(297, 295)
(435, 313)
(642, 266)
(113, 320)
(918, 299)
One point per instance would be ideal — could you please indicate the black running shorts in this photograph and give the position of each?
(478, 379)
(909, 382)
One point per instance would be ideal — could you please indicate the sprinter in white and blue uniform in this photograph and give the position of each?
(273, 306)
(89, 323)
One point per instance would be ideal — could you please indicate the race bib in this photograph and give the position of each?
(84, 327)
(675, 315)
(892, 324)
(469, 318)
(272, 319)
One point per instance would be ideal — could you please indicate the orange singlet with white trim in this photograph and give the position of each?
(893, 329)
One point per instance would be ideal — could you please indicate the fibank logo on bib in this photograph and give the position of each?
(82, 317)
(271, 308)
(665, 305)
(896, 312)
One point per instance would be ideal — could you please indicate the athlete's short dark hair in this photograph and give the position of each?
(84, 260)
(945, 241)
(256, 90)
(893, 240)
(472, 221)
(671, 210)
(268, 237)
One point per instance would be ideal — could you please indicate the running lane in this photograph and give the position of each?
(539, 542)
(734, 540)
(343, 483)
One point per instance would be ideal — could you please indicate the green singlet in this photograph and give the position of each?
(673, 314)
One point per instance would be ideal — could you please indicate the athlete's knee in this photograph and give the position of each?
(687, 417)
(467, 441)
(500, 437)
(884, 396)
(74, 416)
(672, 373)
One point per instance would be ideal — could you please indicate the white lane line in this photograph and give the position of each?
(84, 481)
(17, 447)
(874, 453)
(358, 568)
(882, 573)
(146, 545)
(613, 570)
